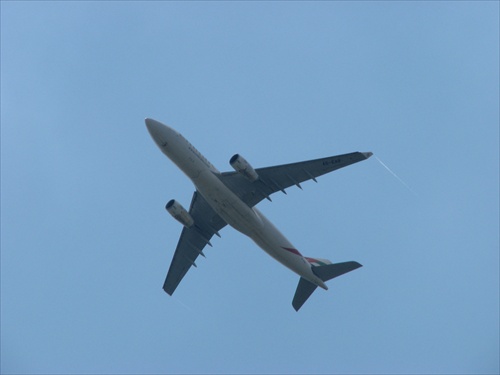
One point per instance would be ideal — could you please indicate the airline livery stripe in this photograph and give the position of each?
(294, 251)
(318, 262)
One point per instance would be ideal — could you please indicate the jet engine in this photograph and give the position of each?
(179, 213)
(240, 165)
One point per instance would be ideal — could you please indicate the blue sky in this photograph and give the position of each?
(86, 242)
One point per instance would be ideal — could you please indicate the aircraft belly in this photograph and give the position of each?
(227, 205)
(185, 160)
(273, 242)
(252, 223)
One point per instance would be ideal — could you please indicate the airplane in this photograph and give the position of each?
(231, 197)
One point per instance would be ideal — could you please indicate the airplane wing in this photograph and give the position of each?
(280, 177)
(193, 240)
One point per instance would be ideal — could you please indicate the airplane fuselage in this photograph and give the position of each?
(247, 220)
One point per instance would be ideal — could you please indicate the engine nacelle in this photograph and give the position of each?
(179, 213)
(240, 165)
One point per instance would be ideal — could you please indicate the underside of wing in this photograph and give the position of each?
(192, 241)
(280, 177)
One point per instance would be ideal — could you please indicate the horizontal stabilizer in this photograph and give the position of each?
(303, 292)
(331, 271)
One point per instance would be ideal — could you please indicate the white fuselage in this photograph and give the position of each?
(247, 220)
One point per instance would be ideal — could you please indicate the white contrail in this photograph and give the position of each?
(183, 304)
(395, 175)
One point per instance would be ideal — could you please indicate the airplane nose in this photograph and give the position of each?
(158, 132)
(153, 126)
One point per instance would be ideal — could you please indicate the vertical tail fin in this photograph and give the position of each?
(325, 272)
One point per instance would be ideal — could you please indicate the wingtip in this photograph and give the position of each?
(367, 154)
